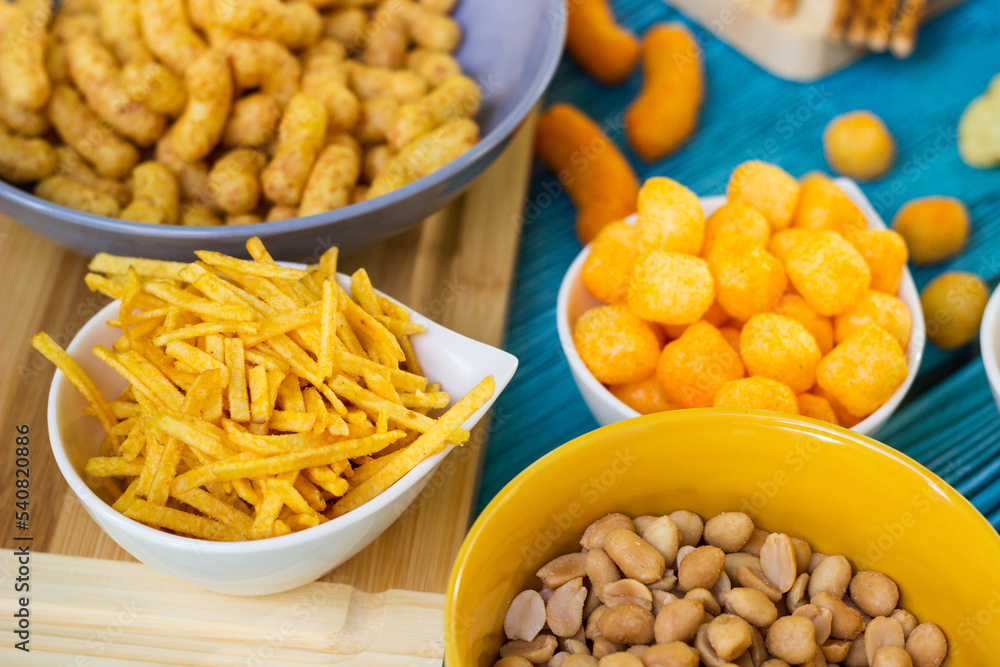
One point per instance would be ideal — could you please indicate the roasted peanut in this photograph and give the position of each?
(729, 531)
(792, 639)
(778, 561)
(672, 654)
(821, 617)
(601, 570)
(627, 591)
(734, 561)
(561, 569)
(831, 576)
(663, 535)
(796, 597)
(751, 578)
(604, 646)
(564, 610)
(525, 617)
(626, 624)
(634, 556)
(512, 661)
(752, 606)
(755, 543)
(620, 659)
(906, 619)
(660, 600)
(882, 631)
(892, 656)
(927, 645)
(847, 622)
(701, 568)
(835, 650)
(803, 554)
(536, 651)
(706, 598)
(729, 636)
(678, 621)
(874, 593)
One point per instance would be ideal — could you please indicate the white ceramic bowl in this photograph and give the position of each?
(574, 300)
(276, 564)
(989, 341)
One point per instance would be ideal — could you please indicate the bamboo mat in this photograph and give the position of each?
(456, 268)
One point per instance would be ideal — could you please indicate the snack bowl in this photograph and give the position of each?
(511, 48)
(574, 300)
(275, 564)
(841, 492)
(989, 341)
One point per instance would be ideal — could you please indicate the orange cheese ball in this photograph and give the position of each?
(644, 396)
(670, 288)
(864, 371)
(785, 240)
(844, 418)
(816, 407)
(768, 188)
(828, 272)
(606, 270)
(885, 254)
(825, 207)
(735, 222)
(859, 145)
(821, 328)
(780, 348)
(669, 218)
(935, 228)
(953, 305)
(757, 393)
(615, 345)
(879, 308)
(694, 367)
(748, 281)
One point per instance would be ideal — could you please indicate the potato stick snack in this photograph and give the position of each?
(246, 412)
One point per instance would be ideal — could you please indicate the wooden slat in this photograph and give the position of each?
(125, 613)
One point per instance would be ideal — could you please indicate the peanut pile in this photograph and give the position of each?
(677, 591)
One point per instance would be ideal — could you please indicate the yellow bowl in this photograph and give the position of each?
(842, 492)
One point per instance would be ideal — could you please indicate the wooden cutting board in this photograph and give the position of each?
(456, 267)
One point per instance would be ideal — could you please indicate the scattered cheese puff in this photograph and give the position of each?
(75, 195)
(821, 328)
(824, 207)
(606, 270)
(757, 393)
(602, 48)
(644, 396)
(615, 345)
(426, 155)
(325, 78)
(935, 228)
(885, 253)
(295, 24)
(747, 281)
(457, 97)
(434, 67)
(301, 135)
(375, 120)
(670, 288)
(370, 83)
(780, 348)
(209, 82)
(666, 112)
(25, 160)
(234, 180)
(735, 223)
(953, 305)
(817, 407)
(828, 272)
(783, 241)
(596, 176)
(387, 38)
(155, 196)
(979, 129)
(430, 29)
(152, 84)
(69, 163)
(253, 121)
(26, 83)
(768, 188)
(169, 34)
(670, 218)
(864, 371)
(695, 366)
(264, 64)
(332, 179)
(878, 308)
(345, 25)
(858, 145)
(121, 30)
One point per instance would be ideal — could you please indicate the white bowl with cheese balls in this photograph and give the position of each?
(574, 300)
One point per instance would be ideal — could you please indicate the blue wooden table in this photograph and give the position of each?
(949, 421)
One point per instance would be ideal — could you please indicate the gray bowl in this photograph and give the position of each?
(511, 47)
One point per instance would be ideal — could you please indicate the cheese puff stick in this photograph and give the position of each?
(597, 177)
(154, 85)
(295, 24)
(198, 215)
(279, 213)
(75, 195)
(24, 160)
(67, 26)
(666, 112)
(169, 34)
(346, 25)
(70, 164)
(458, 97)
(376, 119)
(429, 29)
(426, 155)
(96, 74)
(370, 83)
(301, 136)
(234, 180)
(602, 48)
(121, 30)
(331, 181)
(209, 83)
(325, 78)
(192, 176)
(155, 196)
(434, 67)
(252, 122)
(374, 160)
(26, 83)
(83, 131)
(28, 123)
(264, 64)
(388, 37)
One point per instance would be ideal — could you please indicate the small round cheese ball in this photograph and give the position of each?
(786, 239)
(669, 218)
(747, 281)
(864, 371)
(735, 223)
(694, 367)
(670, 288)
(825, 207)
(645, 396)
(606, 270)
(885, 253)
(821, 328)
(615, 345)
(879, 308)
(828, 272)
(768, 188)
(934, 228)
(953, 305)
(859, 145)
(757, 393)
(817, 407)
(780, 348)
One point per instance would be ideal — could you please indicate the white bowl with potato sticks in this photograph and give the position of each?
(574, 299)
(280, 561)
(510, 65)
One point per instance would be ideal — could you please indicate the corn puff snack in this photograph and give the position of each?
(602, 48)
(121, 29)
(294, 24)
(69, 163)
(210, 91)
(596, 176)
(426, 155)
(234, 180)
(388, 37)
(264, 64)
(666, 112)
(74, 194)
(169, 34)
(26, 83)
(458, 97)
(152, 84)
(332, 180)
(24, 160)
(155, 196)
(300, 139)
(434, 67)
(253, 121)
